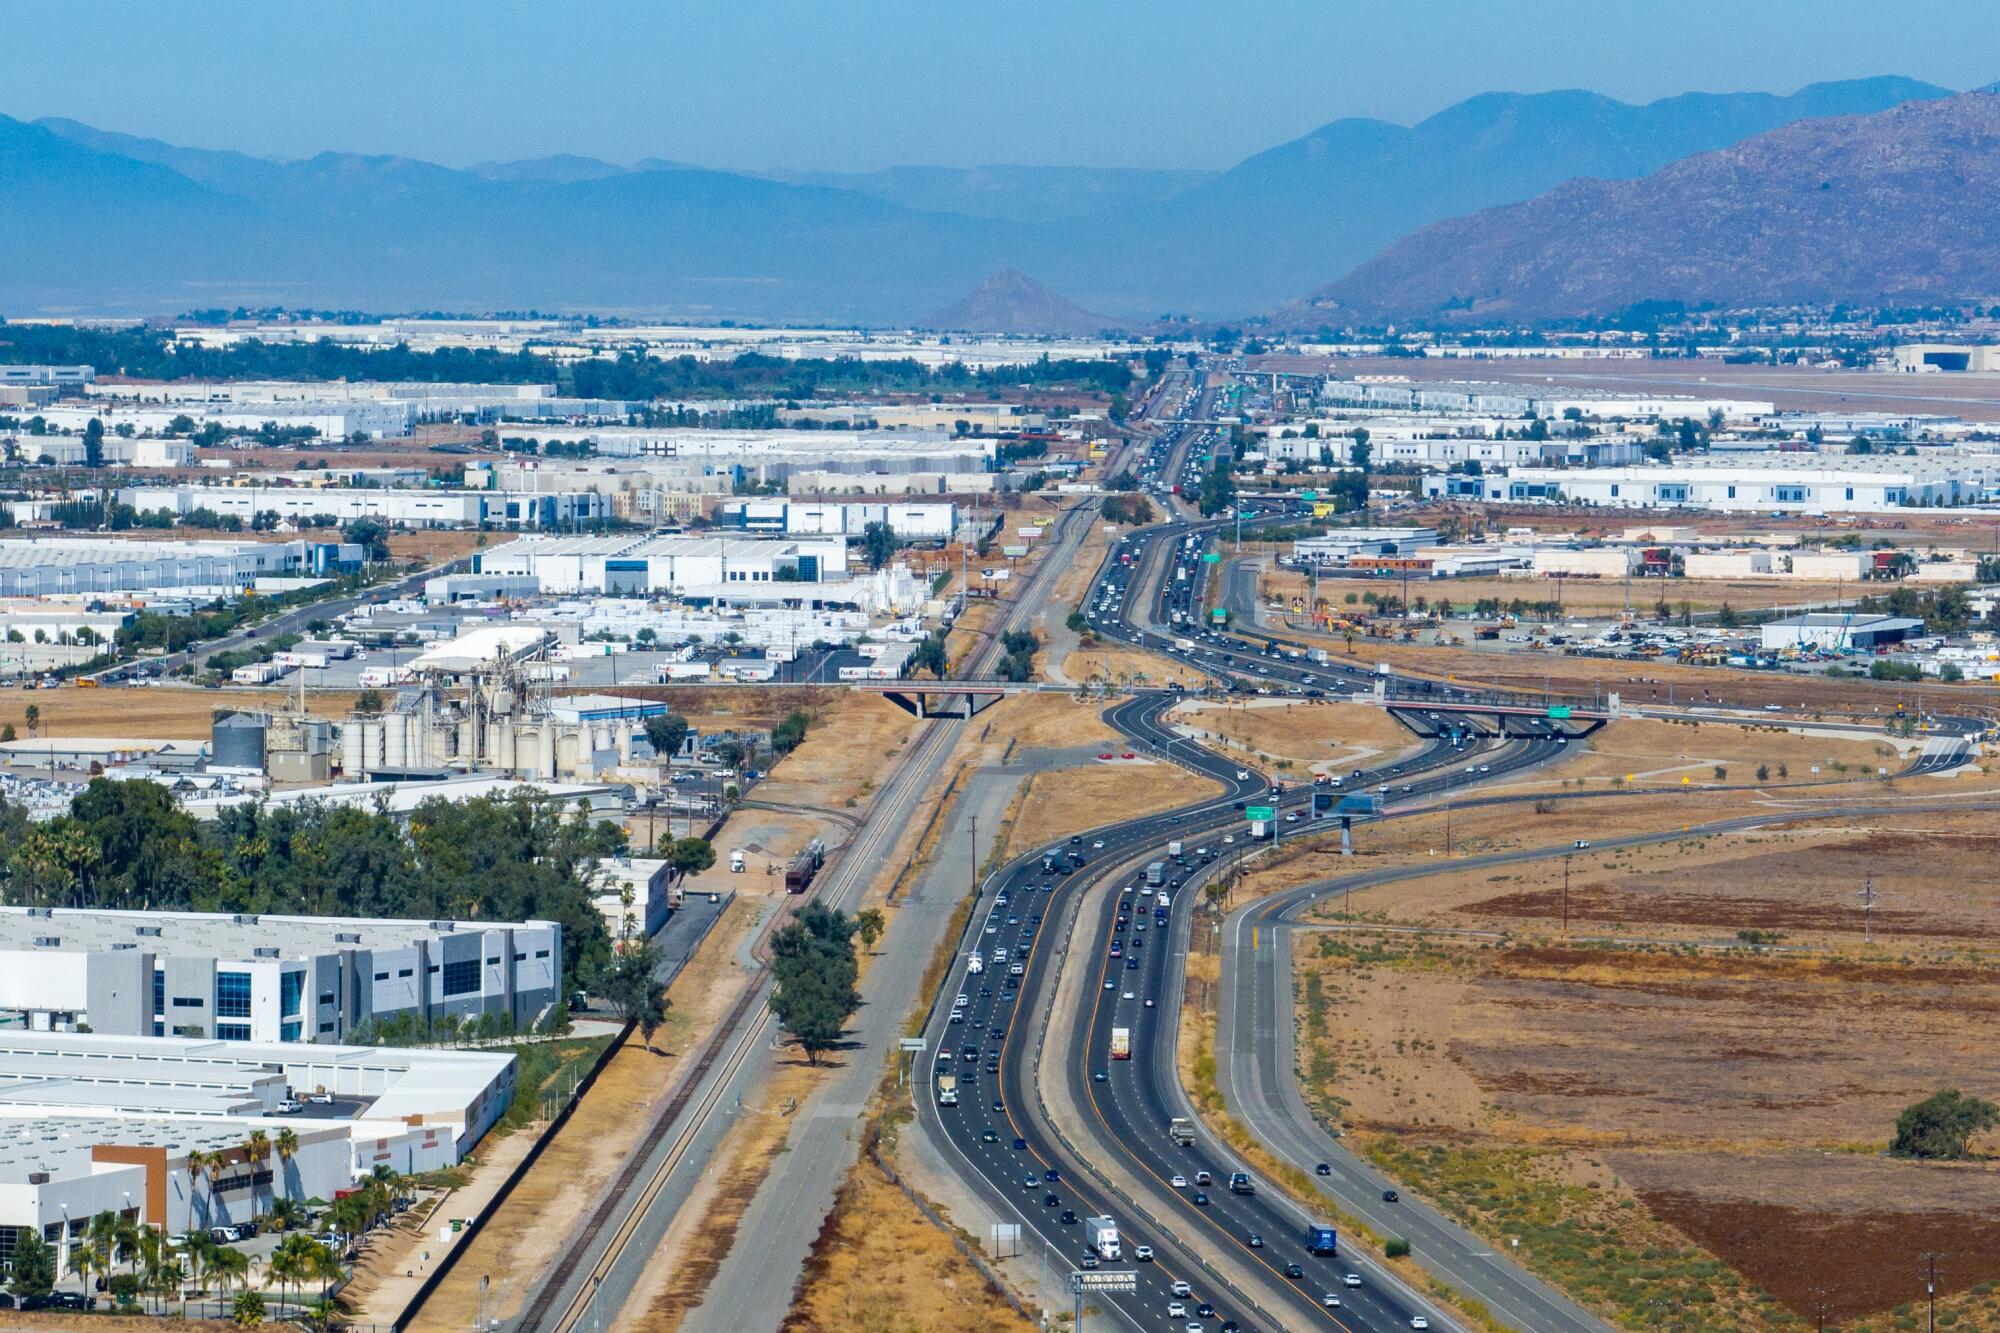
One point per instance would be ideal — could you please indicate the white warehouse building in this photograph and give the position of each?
(92, 1124)
(418, 508)
(281, 979)
(1866, 484)
(684, 566)
(41, 566)
(808, 518)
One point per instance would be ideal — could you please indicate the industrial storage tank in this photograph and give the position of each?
(236, 740)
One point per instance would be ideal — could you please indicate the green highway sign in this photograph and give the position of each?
(1210, 558)
(1220, 615)
(1263, 812)
(1308, 495)
(1559, 712)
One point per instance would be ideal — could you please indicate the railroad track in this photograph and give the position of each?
(560, 1306)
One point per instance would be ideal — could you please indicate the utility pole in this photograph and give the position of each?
(1930, 1291)
(972, 871)
(1868, 898)
(1565, 928)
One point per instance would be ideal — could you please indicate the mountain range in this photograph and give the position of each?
(93, 221)
(1898, 207)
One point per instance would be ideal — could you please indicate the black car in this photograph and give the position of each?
(1205, 1310)
(1323, 1169)
(1294, 1272)
(1069, 1217)
(1050, 1201)
(1390, 1196)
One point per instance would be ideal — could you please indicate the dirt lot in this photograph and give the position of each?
(165, 713)
(853, 740)
(880, 1264)
(1586, 597)
(1689, 1105)
(1645, 753)
(1049, 721)
(1317, 737)
(1051, 806)
(1122, 666)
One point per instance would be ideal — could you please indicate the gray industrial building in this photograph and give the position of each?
(1837, 632)
(265, 978)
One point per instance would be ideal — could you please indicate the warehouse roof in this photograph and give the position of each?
(218, 934)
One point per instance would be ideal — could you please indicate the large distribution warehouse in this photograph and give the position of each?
(265, 978)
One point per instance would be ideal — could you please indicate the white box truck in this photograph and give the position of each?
(1174, 848)
(975, 964)
(1101, 1234)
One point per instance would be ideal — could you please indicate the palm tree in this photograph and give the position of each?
(230, 1267)
(256, 1151)
(287, 1145)
(103, 1238)
(153, 1257)
(197, 1162)
(131, 1237)
(215, 1164)
(198, 1247)
(34, 718)
(83, 1262)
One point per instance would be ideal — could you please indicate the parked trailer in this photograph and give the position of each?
(799, 874)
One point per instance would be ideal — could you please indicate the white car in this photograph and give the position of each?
(1143, 1254)
(1175, 1310)
(1418, 1321)
(1351, 1280)
(1182, 1289)
(1330, 1301)
(1242, 775)
(1179, 1182)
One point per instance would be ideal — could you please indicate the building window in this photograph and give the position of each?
(405, 972)
(541, 953)
(1614, 490)
(381, 976)
(232, 1031)
(232, 996)
(187, 1001)
(326, 1026)
(159, 992)
(290, 1031)
(291, 990)
(326, 997)
(1850, 492)
(462, 977)
(1732, 492)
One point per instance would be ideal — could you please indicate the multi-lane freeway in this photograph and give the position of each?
(1054, 1130)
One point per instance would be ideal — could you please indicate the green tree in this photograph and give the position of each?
(93, 443)
(869, 925)
(634, 988)
(368, 703)
(34, 1269)
(785, 737)
(666, 734)
(878, 543)
(1940, 1127)
(689, 856)
(371, 534)
(815, 967)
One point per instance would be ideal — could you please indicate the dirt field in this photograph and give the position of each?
(879, 1264)
(1287, 733)
(1049, 721)
(853, 740)
(1121, 666)
(165, 713)
(1051, 806)
(1642, 753)
(1692, 1105)
(1586, 597)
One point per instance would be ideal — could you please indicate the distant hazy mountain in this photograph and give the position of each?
(1012, 302)
(1900, 205)
(1291, 218)
(1009, 194)
(100, 222)
(562, 169)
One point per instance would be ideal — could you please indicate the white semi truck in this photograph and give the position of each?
(1101, 1234)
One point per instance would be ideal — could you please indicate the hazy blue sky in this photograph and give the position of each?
(796, 83)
